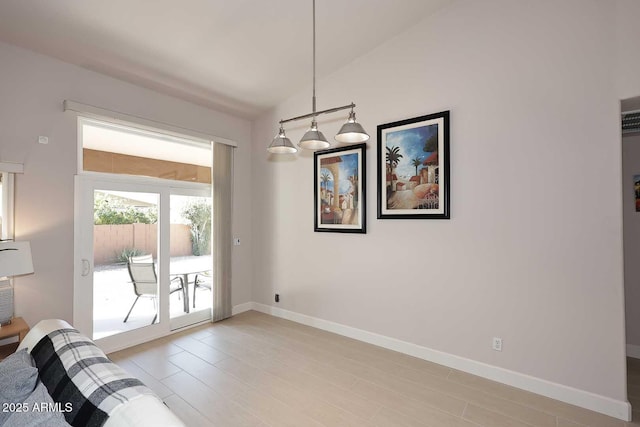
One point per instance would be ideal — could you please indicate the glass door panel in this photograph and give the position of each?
(125, 229)
(190, 257)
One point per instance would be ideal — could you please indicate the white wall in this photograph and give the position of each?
(631, 167)
(533, 250)
(32, 88)
(628, 86)
(627, 59)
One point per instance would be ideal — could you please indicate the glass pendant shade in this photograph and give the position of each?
(313, 139)
(352, 131)
(281, 144)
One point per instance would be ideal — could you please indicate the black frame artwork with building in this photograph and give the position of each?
(340, 189)
(413, 168)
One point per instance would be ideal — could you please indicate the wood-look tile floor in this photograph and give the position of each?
(259, 370)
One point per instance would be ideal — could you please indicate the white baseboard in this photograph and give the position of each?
(241, 308)
(595, 402)
(633, 351)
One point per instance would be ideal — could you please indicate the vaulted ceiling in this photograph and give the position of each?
(240, 56)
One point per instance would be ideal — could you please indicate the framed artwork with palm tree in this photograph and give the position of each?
(413, 168)
(339, 190)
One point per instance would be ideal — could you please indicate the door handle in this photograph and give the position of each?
(86, 268)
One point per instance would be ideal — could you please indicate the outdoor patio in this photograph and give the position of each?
(113, 295)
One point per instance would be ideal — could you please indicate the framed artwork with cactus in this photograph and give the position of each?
(413, 168)
(339, 190)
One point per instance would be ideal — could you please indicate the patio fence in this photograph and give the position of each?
(111, 240)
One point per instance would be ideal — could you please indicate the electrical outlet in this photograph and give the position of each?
(236, 241)
(496, 344)
(277, 297)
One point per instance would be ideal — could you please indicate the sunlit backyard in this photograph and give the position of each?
(125, 228)
(114, 294)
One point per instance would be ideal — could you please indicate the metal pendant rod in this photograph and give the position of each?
(317, 113)
(313, 99)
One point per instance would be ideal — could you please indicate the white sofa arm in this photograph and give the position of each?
(42, 328)
(145, 411)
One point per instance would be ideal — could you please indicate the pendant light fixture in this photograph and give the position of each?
(281, 144)
(352, 131)
(313, 139)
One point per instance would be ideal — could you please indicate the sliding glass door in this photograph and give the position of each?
(142, 229)
(143, 258)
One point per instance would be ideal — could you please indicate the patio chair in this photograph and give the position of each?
(202, 280)
(145, 281)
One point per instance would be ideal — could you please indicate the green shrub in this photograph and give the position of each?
(110, 210)
(199, 216)
(126, 253)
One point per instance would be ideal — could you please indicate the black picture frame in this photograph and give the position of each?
(420, 142)
(345, 168)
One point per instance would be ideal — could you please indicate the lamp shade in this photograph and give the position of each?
(281, 144)
(313, 139)
(15, 259)
(352, 131)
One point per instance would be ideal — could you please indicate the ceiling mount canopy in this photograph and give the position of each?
(313, 139)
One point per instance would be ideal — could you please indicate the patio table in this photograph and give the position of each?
(184, 274)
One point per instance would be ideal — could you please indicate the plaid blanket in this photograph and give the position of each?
(78, 375)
